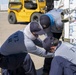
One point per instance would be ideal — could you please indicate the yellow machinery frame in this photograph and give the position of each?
(25, 10)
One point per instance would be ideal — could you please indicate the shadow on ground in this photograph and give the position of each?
(39, 71)
(23, 23)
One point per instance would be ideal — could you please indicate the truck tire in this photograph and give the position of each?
(12, 18)
(35, 17)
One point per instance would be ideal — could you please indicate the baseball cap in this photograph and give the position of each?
(45, 21)
(48, 42)
(35, 27)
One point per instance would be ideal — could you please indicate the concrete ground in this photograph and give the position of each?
(6, 29)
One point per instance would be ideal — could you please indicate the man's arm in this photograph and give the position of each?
(32, 48)
(38, 42)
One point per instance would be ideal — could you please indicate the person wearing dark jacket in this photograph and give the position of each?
(64, 61)
(52, 24)
(23, 41)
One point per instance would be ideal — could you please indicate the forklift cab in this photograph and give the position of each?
(30, 5)
(25, 10)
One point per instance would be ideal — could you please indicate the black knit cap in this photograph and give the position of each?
(45, 21)
(48, 42)
(34, 27)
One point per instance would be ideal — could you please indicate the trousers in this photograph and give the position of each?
(17, 64)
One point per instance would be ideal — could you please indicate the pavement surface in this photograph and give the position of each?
(6, 29)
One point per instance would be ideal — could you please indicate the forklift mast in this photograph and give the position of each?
(49, 4)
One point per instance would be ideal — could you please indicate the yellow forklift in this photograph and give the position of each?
(25, 10)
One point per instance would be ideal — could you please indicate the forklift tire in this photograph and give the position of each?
(12, 18)
(35, 17)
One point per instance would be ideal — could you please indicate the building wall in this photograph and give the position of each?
(3, 4)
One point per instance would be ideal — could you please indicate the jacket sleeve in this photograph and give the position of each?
(38, 42)
(32, 48)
